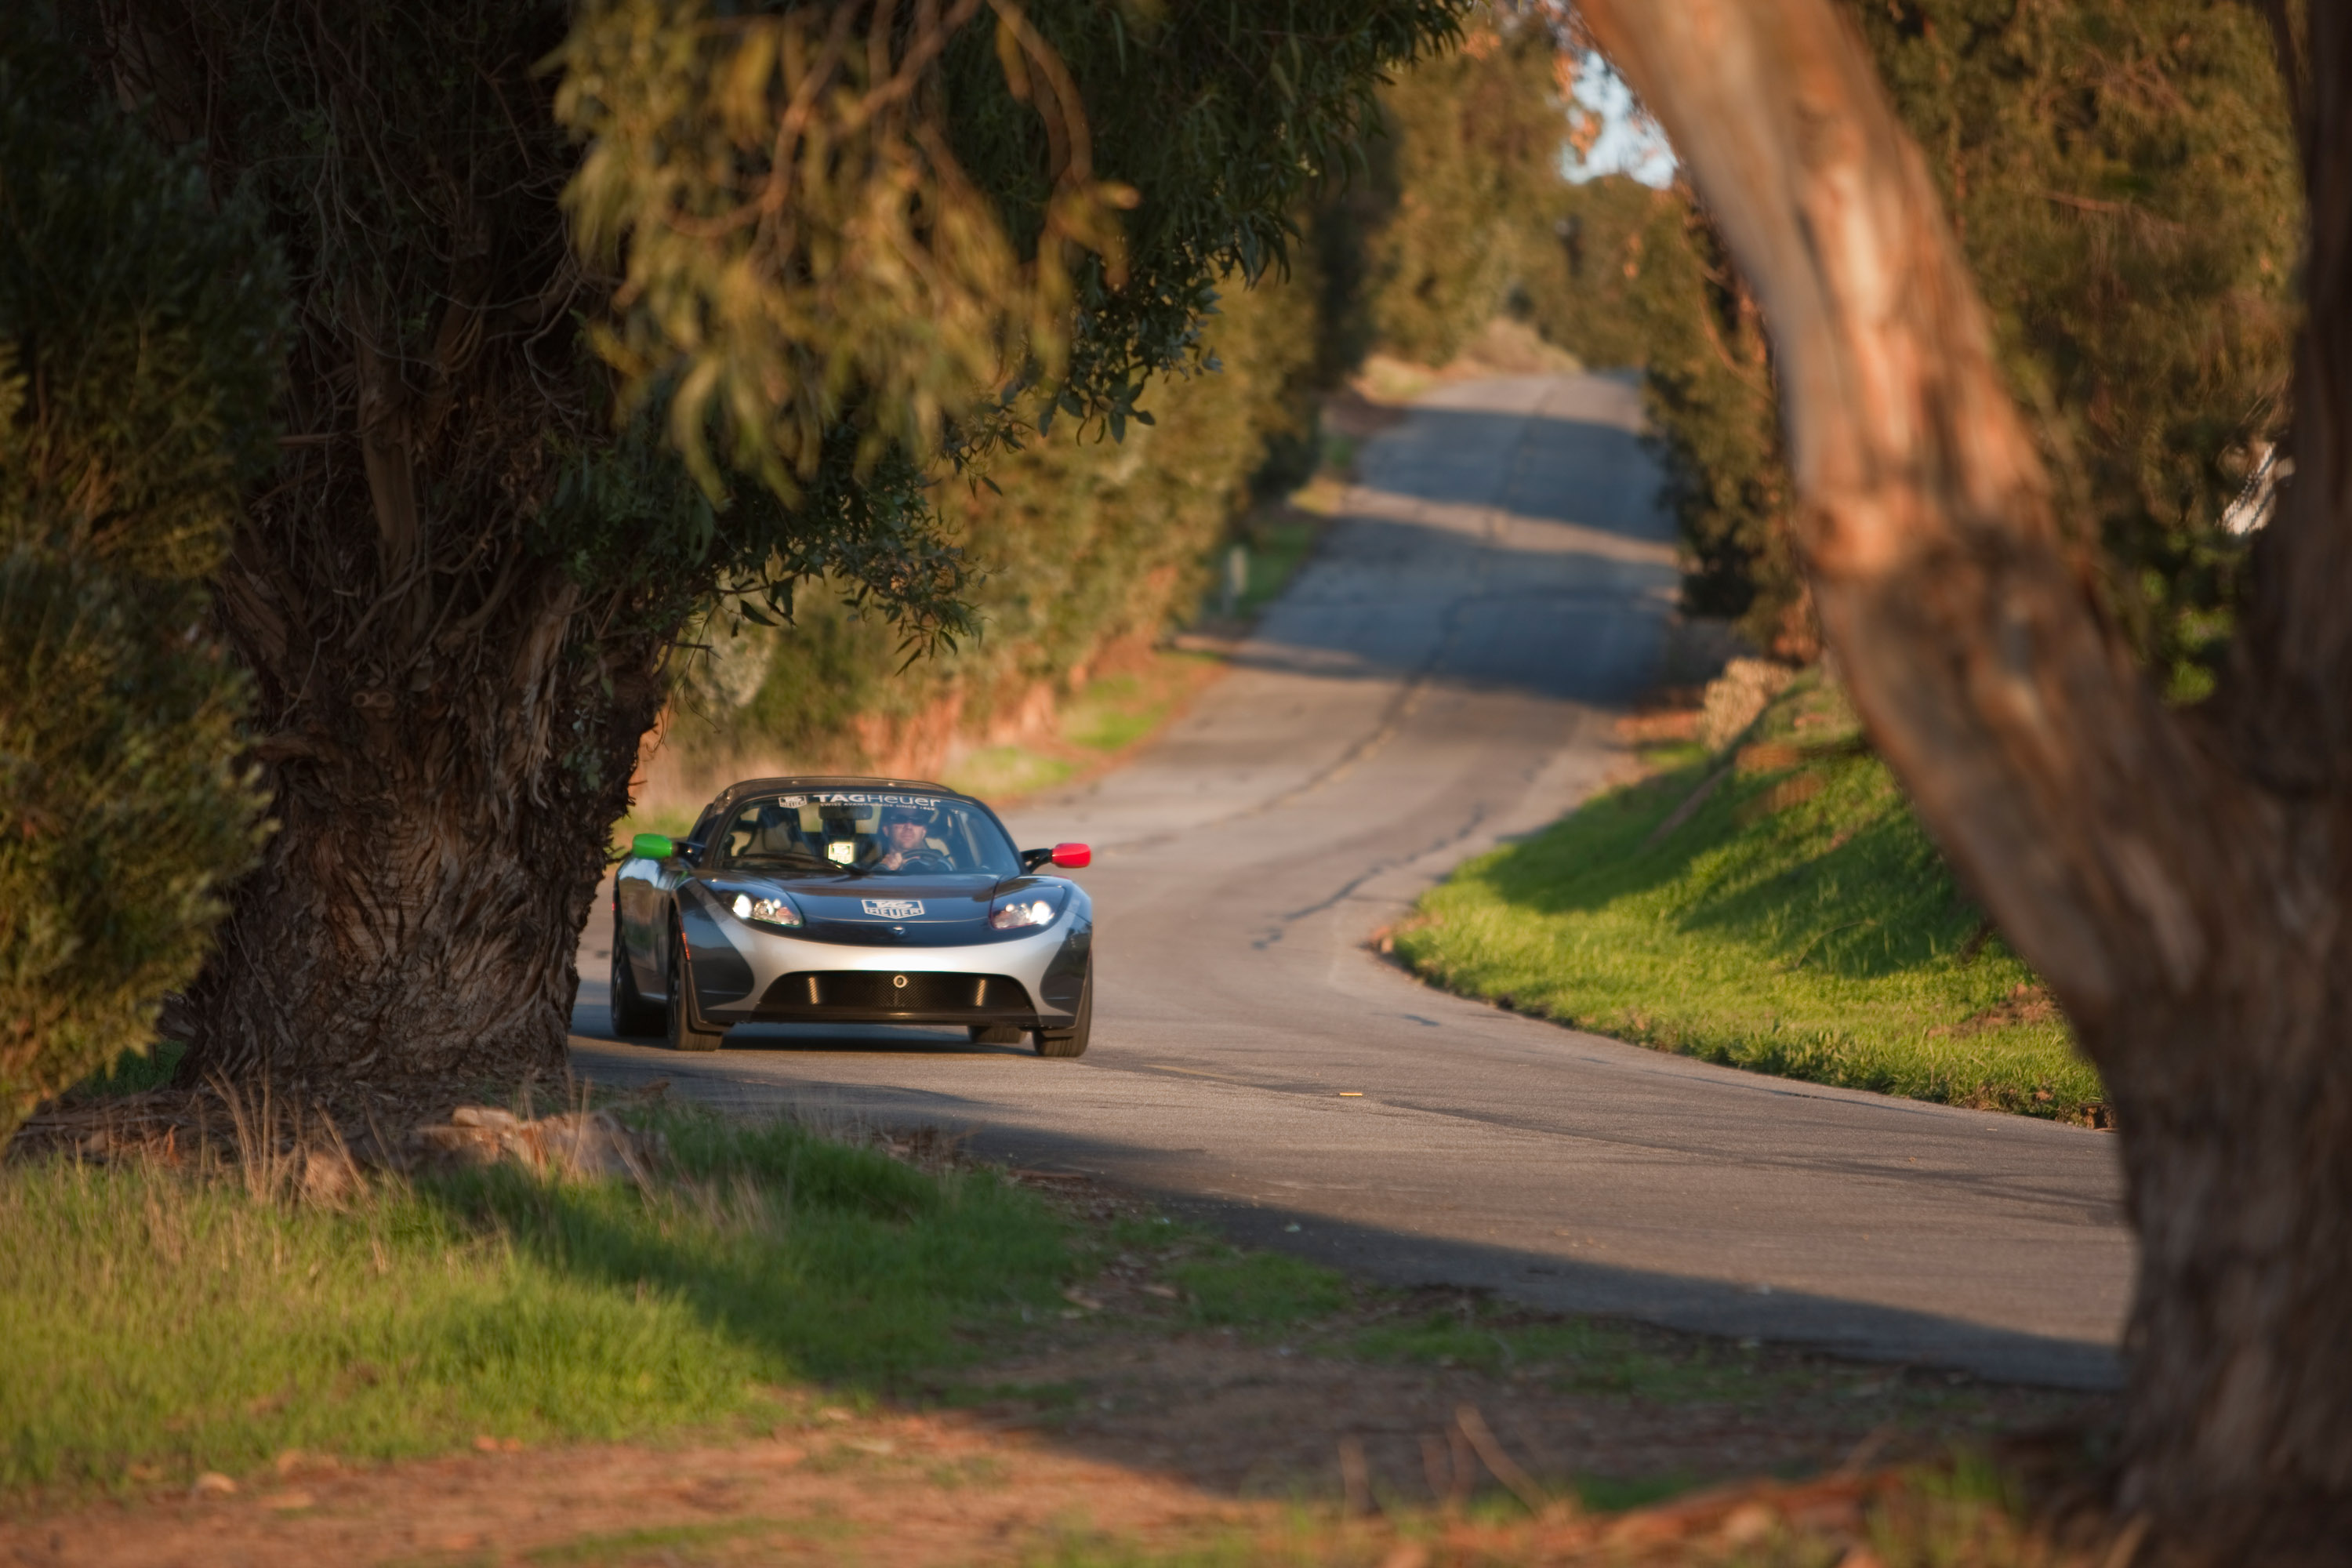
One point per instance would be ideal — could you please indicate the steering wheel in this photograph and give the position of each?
(925, 860)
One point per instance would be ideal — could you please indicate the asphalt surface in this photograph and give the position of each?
(1442, 675)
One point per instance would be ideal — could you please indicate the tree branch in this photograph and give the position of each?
(2085, 816)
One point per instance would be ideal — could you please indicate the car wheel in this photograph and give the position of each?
(631, 1014)
(1072, 1041)
(996, 1034)
(686, 1030)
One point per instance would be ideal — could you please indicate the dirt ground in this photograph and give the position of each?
(1251, 1421)
(1256, 1413)
(1149, 1441)
(896, 1488)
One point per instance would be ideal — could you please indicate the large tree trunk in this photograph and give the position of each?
(449, 719)
(419, 909)
(2183, 881)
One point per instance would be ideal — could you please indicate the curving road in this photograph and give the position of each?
(1442, 677)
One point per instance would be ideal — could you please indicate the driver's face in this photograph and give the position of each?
(904, 834)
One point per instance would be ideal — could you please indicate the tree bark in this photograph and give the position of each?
(2181, 878)
(418, 912)
(449, 705)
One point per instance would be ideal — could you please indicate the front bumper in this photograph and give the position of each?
(743, 974)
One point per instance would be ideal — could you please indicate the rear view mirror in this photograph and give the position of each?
(653, 845)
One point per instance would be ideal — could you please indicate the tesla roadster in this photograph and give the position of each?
(865, 900)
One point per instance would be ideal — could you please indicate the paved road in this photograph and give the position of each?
(1440, 678)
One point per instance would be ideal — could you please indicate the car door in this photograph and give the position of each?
(647, 891)
(635, 890)
(661, 913)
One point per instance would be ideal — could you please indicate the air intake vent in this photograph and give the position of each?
(875, 992)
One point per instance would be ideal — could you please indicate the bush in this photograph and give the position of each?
(1084, 544)
(1457, 213)
(137, 328)
(1708, 390)
(1478, 135)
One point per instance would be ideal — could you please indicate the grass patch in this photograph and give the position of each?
(1798, 921)
(162, 1324)
(1007, 773)
(1115, 713)
(1278, 546)
(1577, 1355)
(1220, 1286)
(1275, 542)
(1109, 715)
(1264, 1297)
(1230, 1289)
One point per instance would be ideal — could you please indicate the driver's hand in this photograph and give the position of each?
(893, 860)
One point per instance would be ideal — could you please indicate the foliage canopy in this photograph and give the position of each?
(902, 222)
(2124, 188)
(139, 335)
(459, 589)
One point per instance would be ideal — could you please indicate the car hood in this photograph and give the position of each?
(884, 908)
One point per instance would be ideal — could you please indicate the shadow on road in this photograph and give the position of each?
(1545, 1281)
(1450, 457)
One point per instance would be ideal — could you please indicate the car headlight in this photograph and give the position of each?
(1024, 909)
(765, 911)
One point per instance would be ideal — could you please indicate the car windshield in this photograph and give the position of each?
(865, 833)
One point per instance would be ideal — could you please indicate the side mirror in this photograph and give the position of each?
(661, 846)
(1073, 855)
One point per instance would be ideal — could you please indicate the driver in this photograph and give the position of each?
(905, 832)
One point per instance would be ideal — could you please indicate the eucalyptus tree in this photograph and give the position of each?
(2180, 875)
(604, 310)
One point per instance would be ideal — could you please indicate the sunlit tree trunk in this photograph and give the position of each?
(2183, 879)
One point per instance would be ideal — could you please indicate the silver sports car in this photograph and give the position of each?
(851, 901)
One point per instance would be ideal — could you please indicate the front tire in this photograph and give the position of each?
(684, 1026)
(1072, 1041)
(630, 1013)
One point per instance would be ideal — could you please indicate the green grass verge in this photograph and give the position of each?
(1279, 546)
(1799, 921)
(1112, 713)
(173, 1324)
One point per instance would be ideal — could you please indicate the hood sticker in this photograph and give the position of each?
(894, 908)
